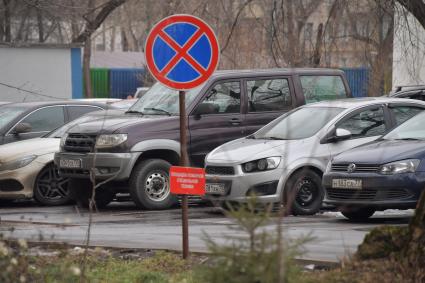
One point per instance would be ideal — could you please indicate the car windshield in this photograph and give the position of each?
(298, 124)
(9, 113)
(59, 132)
(160, 100)
(412, 129)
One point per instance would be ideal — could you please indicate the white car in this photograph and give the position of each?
(285, 160)
(27, 169)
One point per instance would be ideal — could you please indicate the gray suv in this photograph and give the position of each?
(135, 151)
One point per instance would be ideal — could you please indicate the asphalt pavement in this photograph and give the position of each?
(122, 225)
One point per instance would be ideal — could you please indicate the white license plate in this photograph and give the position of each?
(355, 184)
(215, 188)
(70, 163)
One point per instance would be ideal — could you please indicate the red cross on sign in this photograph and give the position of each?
(187, 180)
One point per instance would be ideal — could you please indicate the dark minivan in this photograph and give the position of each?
(27, 120)
(136, 150)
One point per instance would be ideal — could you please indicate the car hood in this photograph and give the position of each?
(123, 124)
(244, 150)
(37, 146)
(381, 152)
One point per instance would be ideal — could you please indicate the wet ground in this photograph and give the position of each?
(122, 225)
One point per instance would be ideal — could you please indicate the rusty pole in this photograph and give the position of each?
(184, 161)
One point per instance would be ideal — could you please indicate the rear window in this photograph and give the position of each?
(319, 88)
(301, 123)
(75, 112)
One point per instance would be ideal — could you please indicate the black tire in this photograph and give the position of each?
(304, 193)
(50, 188)
(81, 192)
(358, 214)
(150, 185)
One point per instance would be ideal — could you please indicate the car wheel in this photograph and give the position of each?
(81, 191)
(50, 188)
(150, 185)
(304, 193)
(359, 214)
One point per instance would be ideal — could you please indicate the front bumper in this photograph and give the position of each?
(107, 165)
(399, 191)
(267, 185)
(19, 183)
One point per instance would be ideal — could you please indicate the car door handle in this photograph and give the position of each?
(235, 121)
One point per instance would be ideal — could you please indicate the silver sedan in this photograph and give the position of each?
(284, 161)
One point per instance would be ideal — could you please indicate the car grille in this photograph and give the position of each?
(10, 185)
(220, 170)
(369, 194)
(66, 171)
(79, 143)
(359, 167)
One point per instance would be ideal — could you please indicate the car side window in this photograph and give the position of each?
(319, 88)
(368, 123)
(75, 112)
(268, 95)
(46, 119)
(404, 113)
(224, 97)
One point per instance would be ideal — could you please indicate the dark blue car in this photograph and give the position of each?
(386, 174)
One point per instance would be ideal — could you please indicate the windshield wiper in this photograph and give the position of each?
(134, 112)
(252, 137)
(159, 110)
(408, 139)
(272, 138)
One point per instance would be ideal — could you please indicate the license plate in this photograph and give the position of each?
(215, 188)
(355, 184)
(70, 163)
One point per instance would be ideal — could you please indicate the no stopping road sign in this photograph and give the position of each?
(182, 52)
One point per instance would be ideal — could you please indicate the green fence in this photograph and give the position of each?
(99, 82)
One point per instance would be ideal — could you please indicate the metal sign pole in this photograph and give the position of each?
(207, 56)
(184, 161)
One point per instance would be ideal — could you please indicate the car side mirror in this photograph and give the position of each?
(22, 128)
(206, 108)
(342, 134)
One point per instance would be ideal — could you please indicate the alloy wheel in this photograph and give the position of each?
(51, 187)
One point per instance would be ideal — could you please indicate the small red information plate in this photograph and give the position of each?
(187, 180)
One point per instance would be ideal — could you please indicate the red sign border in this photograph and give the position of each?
(182, 18)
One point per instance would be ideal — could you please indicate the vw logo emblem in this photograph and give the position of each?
(351, 168)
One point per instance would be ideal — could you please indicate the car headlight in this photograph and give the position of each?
(403, 166)
(263, 164)
(63, 139)
(110, 140)
(17, 163)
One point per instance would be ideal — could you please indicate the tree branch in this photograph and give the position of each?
(235, 22)
(416, 8)
(93, 25)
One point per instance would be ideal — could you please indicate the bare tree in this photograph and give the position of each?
(7, 20)
(288, 43)
(93, 21)
(373, 27)
(414, 250)
(416, 8)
